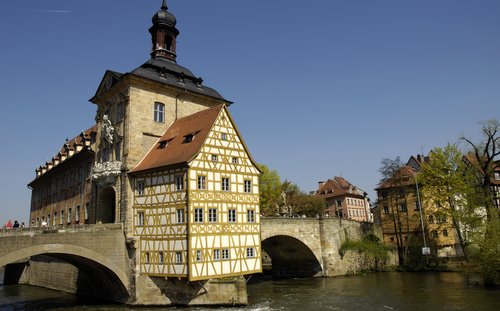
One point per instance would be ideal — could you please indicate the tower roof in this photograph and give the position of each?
(164, 19)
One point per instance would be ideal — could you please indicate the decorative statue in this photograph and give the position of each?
(107, 130)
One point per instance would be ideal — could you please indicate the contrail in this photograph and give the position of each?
(49, 11)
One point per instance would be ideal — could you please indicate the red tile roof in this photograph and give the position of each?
(83, 139)
(338, 186)
(404, 176)
(177, 149)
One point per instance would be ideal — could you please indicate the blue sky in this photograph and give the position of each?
(322, 88)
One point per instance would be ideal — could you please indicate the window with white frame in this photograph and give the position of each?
(202, 182)
(248, 186)
(226, 184)
(223, 136)
(250, 215)
(250, 252)
(225, 254)
(212, 215)
(161, 258)
(234, 160)
(215, 158)
(140, 188)
(180, 216)
(198, 255)
(147, 257)
(178, 257)
(216, 254)
(140, 218)
(198, 215)
(179, 182)
(231, 215)
(159, 113)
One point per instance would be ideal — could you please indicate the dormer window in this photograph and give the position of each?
(189, 138)
(162, 144)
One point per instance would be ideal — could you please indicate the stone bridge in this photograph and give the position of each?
(92, 257)
(97, 260)
(305, 247)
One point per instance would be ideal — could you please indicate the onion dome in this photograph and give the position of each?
(164, 34)
(164, 17)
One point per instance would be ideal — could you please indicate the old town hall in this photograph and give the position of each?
(166, 160)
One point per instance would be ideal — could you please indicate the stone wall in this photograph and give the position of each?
(324, 237)
(172, 291)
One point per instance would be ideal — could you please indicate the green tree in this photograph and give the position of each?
(445, 180)
(300, 202)
(270, 190)
(309, 205)
(483, 158)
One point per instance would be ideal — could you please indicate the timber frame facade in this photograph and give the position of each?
(166, 160)
(200, 218)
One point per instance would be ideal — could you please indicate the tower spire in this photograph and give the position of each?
(164, 34)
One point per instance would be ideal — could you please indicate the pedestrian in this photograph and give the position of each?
(16, 224)
(22, 225)
(8, 225)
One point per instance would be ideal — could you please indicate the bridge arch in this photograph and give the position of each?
(291, 257)
(111, 278)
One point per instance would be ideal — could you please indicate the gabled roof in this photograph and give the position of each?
(339, 186)
(109, 79)
(404, 176)
(181, 141)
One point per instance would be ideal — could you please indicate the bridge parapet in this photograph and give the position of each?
(59, 229)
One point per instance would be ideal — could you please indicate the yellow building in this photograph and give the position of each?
(196, 203)
(166, 160)
(398, 212)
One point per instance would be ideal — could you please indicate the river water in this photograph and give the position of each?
(380, 291)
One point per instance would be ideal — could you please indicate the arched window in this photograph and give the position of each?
(159, 112)
(168, 43)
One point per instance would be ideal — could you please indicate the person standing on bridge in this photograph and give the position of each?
(16, 224)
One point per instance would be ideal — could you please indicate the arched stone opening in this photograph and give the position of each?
(68, 271)
(291, 257)
(106, 206)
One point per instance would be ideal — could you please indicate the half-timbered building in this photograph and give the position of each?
(166, 160)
